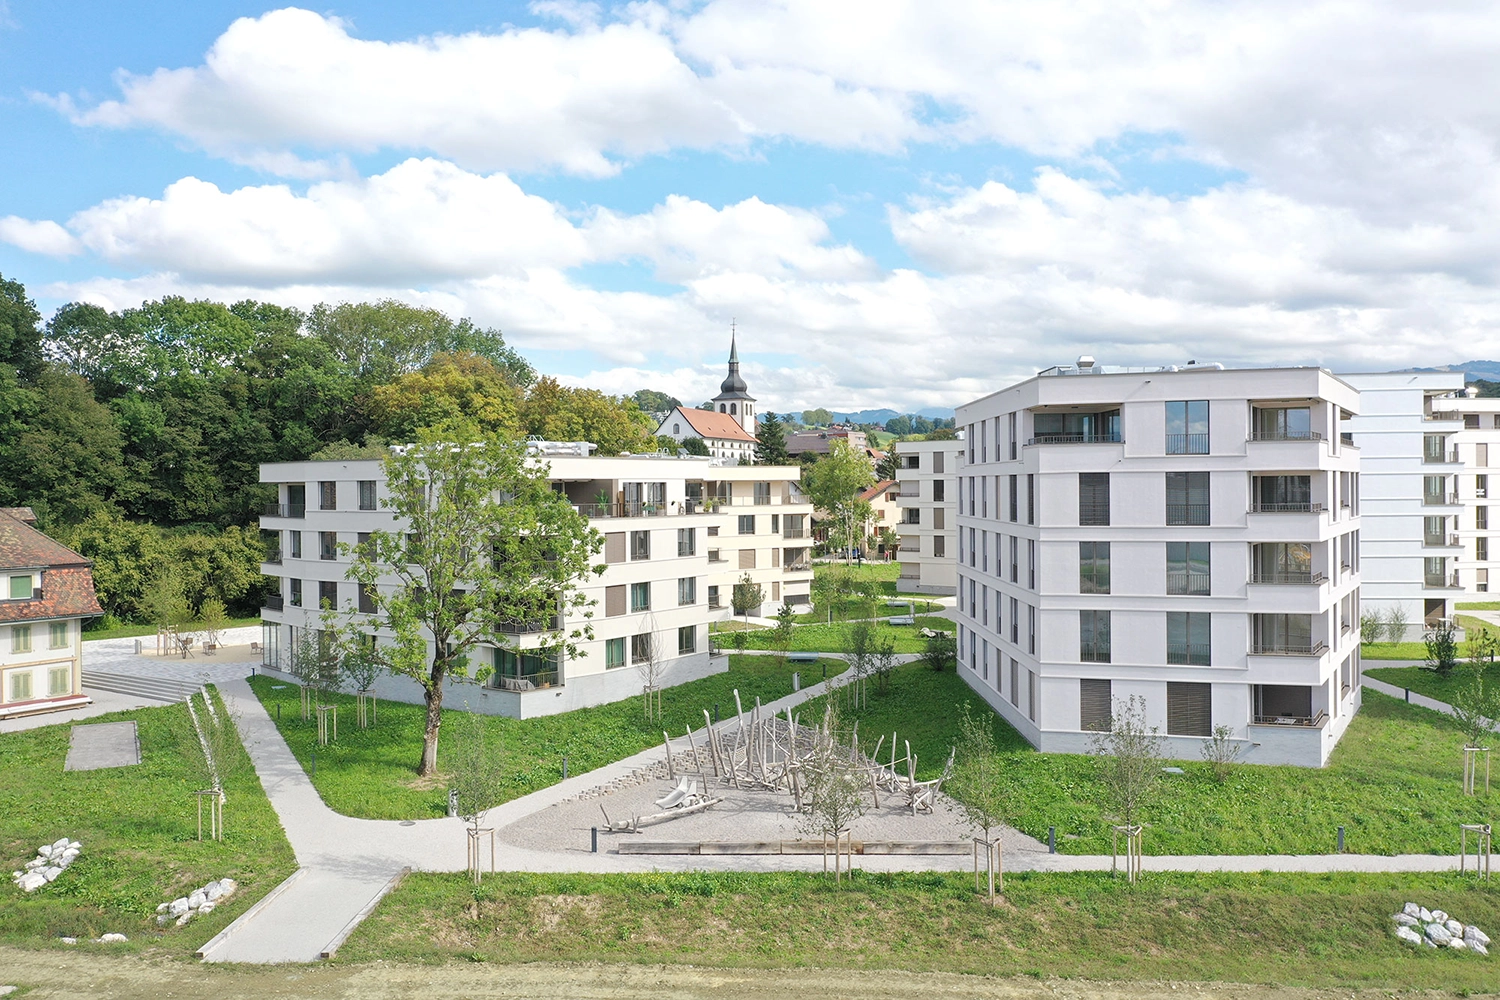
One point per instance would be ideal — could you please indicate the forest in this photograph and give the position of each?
(136, 436)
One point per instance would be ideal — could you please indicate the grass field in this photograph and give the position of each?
(1393, 651)
(1477, 606)
(137, 826)
(1443, 687)
(131, 631)
(1302, 930)
(371, 773)
(832, 638)
(1393, 783)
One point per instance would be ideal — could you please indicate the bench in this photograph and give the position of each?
(802, 657)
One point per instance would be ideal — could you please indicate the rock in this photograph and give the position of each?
(6, 991)
(1457, 944)
(51, 873)
(1405, 919)
(161, 919)
(1478, 948)
(1425, 915)
(1438, 934)
(196, 899)
(1454, 927)
(163, 908)
(206, 909)
(1472, 933)
(61, 844)
(178, 906)
(113, 939)
(70, 854)
(74, 845)
(185, 917)
(1428, 942)
(213, 891)
(36, 863)
(1439, 916)
(1412, 910)
(228, 885)
(32, 881)
(1408, 935)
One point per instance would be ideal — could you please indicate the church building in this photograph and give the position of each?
(729, 428)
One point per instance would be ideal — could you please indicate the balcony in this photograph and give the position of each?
(1302, 721)
(1187, 444)
(1440, 500)
(1440, 581)
(910, 491)
(273, 602)
(1308, 579)
(604, 510)
(1096, 437)
(273, 557)
(284, 510)
(1288, 648)
(1286, 508)
(530, 627)
(1091, 652)
(1197, 654)
(794, 533)
(1287, 435)
(1441, 458)
(1449, 541)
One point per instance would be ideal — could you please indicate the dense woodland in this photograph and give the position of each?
(137, 435)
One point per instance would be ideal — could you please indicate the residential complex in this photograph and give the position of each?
(678, 533)
(46, 592)
(928, 523)
(1475, 441)
(1409, 471)
(1188, 536)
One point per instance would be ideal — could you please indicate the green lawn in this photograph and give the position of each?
(1393, 783)
(832, 639)
(137, 825)
(1477, 606)
(1298, 930)
(131, 631)
(1431, 683)
(1393, 651)
(371, 773)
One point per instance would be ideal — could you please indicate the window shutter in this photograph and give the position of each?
(1094, 706)
(747, 558)
(614, 547)
(1189, 709)
(614, 597)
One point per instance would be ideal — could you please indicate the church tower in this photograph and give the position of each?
(734, 397)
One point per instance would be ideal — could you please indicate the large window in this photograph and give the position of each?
(1187, 498)
(687, 541)
(1281, 562)
(294, 594)
(1189, 638)
(1187, 427)
(328, 594)
(21, 587)
(1093, 636)
(1434, 448)
(1094, 706)
(640, 597)
(614, 653)
(1281, 494)
(1093, 499)
(328, 496)
(747, 524)
(1093, 567)
(642, 648)
(1278, 633)
(1189, 709)
(687, 590)
(328, 545)
(640, 545)
(1014, 509)
(367, 494)
(1188, 569)
(296, 538)
(1283, 423)
(1434, 489)
(687, 640)
(1075, 428)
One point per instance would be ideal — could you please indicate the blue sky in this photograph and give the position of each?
(900, 205)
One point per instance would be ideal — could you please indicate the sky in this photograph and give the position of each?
(897, 204)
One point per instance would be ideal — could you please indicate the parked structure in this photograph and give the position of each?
(679, 534)
(1475, 442)
(728, 431)
(48, 591)
(1187, 535)
(1409, 472)
(928, 499)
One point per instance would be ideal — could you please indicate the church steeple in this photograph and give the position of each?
(734, 395)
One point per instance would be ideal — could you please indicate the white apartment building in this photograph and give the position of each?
(928, 525)
(1475, 442)
(1409, 489)
(678, 534)
(1185, 535)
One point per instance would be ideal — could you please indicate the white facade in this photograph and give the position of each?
(679, 533)
(1409, 475)
(1478, 447)
(726, 441)
(1189, 537)
(928, 525)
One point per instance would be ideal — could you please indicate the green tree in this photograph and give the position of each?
(940, 652)
(834, 485)
(899, 426)
(888, 466)
(746, 596)
(1130, 760)
(127, 557)
(60, 451)
(556, 412)
(770, 445)
(380, 341)
(213, 619)
(483, 540)
(654, 402)
(83, 338)
(817, 418)
(20, 331)
(1442, 647)
(449, 388)
(977, 781)
(781, 636)
(476, 773)
(695, 446)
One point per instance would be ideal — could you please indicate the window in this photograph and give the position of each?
(687, 541)
(713, 596)
(937, 463)
(1031, 694)
(1433, 447)
(328, 545)
(1471, 421)
(939, 487)
(687, 640)
(972, 508)
(614, 653)
(328, 496)
(1030, 499)
(20, 638)
(1014, 509)
(1093, 567)
(762, 494)
(747, 524)
(1015, 561)
(1093, 499)
(1187, 498)
(1015, 621)
(641, 648)
(328, 594)
(1187, 427)
(19, 685)
(1189, 709)
(1015, 682)
(640, 545)
(911, 462)
(1285, 634)
(366, 599)
(776, 523)
(1290, 423)
(1012, 423)
(1076, 428)
(677, 429)
(1434, 571)
(1282, 494)
(687, 590)
(21, 587)
(939, 546)
(640, 597)
(1094, 706)
(747, 558)
(1482, 455)
(1481, 486)
(1093, 636)
(614, 547)
(1434, 489)
(1281, 562)
(295, 593)
(1481, 548)
(296, 539)
(938, 520)
(1434, 530)
(59, 680)
(911, 515)
(1189, 638)
(57, 635)
(1188, 570)
(367, 494)
(614, 601)
(1031, 563)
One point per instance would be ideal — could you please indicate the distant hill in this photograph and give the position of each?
(881, 416)
(1488, 370)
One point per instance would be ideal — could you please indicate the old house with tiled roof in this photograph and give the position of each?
(46, 592)
(727, 431)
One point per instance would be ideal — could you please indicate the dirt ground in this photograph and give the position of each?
(76, 974)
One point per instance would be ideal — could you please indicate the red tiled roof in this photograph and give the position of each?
(709, 424)
(67, 581)
(24, 514)
(877, 489)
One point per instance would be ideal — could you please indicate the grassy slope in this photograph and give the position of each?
(137, 825)
(1393, 782)
(131, 631)
(830, 638)
(1393, 651)
(370, 773)
(1311, 930)
(1431, 683)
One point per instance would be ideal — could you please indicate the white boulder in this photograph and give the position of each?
(212, 891)
(1454, 927)
(163, 908)
(178, 906)
(61, 844)
(1478, 948)
(1425, 915)
(186, 917)
(1412, 910)
(1404, 919)
(1405, 933)
(51, 873)
(206, 909)
(1472, 933)
(68, 940)
(228, 885)
(1438, 934)
(32, 881)
(196, 899)
(1439, 917)
(45, 851)
(113, 939)
(1457, 944)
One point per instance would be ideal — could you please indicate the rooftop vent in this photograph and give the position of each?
(1085, 361)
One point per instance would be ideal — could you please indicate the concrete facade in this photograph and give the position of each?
(1477, 443)
(1188, 536)
(927, 474)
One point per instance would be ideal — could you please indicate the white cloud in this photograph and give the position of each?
(43, 237)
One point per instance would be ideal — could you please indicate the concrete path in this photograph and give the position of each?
(103, 744)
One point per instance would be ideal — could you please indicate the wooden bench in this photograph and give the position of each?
(802, 657)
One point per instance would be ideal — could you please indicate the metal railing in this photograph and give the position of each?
(1285, 508)
(1440, 541)
(1302, 721)
(1093, 514)
(1183, 583)
(1285, 435)
(1288, 648)
(272, 557)
(1440, 499)
(273, 602)
(527, 627)
(1438, 581)
(1198, 654)
(1187, 444)
(637, 509)
(1307, 579)
(805, 567)
(1093, 652)
(1187, 513)
(794, 533)
(284, 510)
(1104, 437)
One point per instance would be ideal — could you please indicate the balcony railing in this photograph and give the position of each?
(273, 602)
(273, 557)
(284, 510)
(1441, 541)
(801, 567)
(1187, 444)
(1441, 458)
(1438, 581)
(1440, 499)
(528, 627)
(1093, 652)
(638, 509)
(1182, 583)
(794, 533)
(1101, 437)
(1285, 435)
(1198, 654)
(1288, 648)
(1285, 508)
(1302, 721)
(911, 491)
(1187, 513)
(1308, 579)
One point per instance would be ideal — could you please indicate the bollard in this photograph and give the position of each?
(716, 713)
(452, 802)
(315, 762)
(594, 837)
(565, 767)
(278, 711)
(1408, 695)
(1341, 840)
(1051, 840)
(825, 671)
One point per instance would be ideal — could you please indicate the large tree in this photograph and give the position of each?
(381, 340)
(20, 330)
(770, 444)
(833, 484)
(479, 540)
